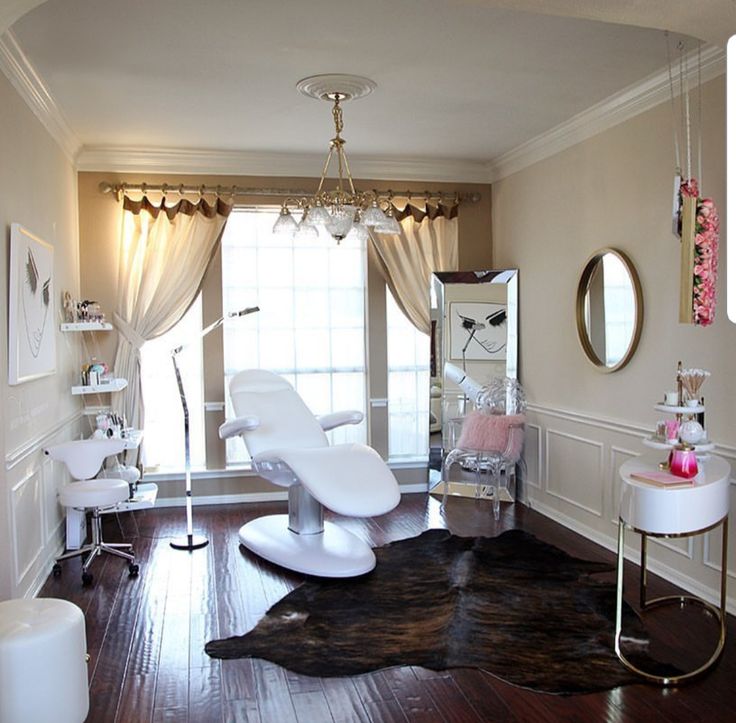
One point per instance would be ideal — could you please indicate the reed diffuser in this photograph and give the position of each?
(692, 380)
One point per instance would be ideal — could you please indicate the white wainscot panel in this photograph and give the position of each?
(713, 542)
(533, 454)
(53, 476)
(574, 470)
(26, 522)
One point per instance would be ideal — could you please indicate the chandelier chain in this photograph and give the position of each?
(337, 117)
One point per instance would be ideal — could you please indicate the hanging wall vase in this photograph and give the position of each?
(699, 227)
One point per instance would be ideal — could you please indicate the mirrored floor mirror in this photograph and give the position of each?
(474, 317)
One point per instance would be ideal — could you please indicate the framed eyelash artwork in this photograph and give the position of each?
(31, 332)
(477, 331)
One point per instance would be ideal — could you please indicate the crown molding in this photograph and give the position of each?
(615, 109)
(11, 10)
(132, 159)
(31, 87)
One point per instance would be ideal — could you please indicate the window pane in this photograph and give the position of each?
(163, 442)
(311, 325)
(408, 385)
(619, 303)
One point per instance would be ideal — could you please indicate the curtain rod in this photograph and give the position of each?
(183, 189)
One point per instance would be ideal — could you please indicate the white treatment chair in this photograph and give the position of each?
(288, 446)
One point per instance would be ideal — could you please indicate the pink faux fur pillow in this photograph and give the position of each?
(490, 433)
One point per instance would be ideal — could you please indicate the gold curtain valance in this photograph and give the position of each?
(209, 210)
(441, 210)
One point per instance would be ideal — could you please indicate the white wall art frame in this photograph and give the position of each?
(488, 343)
(31, 332)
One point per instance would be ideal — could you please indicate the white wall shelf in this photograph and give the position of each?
(133, 438)
(114, 385)
(144, 498)
(87, 326)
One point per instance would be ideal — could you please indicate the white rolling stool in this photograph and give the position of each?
(43, 662)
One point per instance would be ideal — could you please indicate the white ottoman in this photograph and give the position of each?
(43, 667)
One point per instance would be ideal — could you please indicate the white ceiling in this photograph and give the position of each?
(458, 80)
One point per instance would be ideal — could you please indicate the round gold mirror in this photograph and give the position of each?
(609, 309)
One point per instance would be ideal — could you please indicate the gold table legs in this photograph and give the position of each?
(719, 613)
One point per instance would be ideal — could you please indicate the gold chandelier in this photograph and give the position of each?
(342, 211)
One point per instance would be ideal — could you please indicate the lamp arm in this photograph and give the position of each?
(215, 324)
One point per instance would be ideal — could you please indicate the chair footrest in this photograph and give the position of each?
(349, 479)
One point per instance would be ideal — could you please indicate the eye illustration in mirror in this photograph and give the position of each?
(609, 309)
(477, 331)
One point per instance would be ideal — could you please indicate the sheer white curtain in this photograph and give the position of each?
(164, 253)
(427, 242)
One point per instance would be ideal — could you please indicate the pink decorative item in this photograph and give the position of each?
(490, 433)
(673, 427)
(683, 461)
(705, 267)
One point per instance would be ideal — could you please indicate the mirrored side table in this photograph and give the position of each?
(654, 511)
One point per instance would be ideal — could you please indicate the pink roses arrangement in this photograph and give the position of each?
(705, 268)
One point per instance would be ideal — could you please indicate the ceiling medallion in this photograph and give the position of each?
(342, 211)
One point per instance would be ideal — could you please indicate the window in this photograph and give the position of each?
(163, 445)
(619, 303)
(310, 328)
(408, 385)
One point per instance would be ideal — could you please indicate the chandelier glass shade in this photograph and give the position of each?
(342, 211)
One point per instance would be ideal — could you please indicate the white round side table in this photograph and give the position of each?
(655, 511)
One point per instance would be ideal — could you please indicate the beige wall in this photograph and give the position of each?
(99, 219)
(37, 190)
(612, 190)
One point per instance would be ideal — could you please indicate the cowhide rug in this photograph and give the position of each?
(511, 605)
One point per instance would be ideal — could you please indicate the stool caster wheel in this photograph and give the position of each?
(56, 569)
(87, 578)
(133, 570)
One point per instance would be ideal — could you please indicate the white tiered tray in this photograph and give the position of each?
(674, 409)
(658, 443)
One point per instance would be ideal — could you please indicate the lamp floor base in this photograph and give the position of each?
(190, 542)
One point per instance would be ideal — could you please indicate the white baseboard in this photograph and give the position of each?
(252, 497)
(199, 500)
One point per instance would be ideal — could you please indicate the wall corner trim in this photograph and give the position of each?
(617, 108)
(30, 86)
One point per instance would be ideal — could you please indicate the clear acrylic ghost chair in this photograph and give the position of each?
(490, 439)
(288, 447)
(83, 459)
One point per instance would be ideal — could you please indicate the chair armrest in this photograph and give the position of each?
(234, 427)
(338, 419)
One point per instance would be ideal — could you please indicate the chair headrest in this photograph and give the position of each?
(258, 380)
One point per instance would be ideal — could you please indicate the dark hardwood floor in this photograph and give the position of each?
(146, 636)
